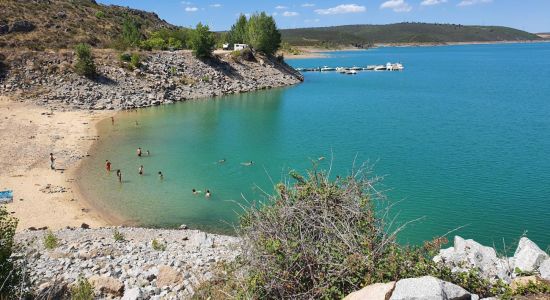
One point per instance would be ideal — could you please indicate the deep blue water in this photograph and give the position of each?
(462, 135)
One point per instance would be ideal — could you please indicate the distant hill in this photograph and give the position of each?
(362, 35)
(63, 23)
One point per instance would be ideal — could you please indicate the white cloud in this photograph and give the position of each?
(217, 5)
(473, 2)
(342, 9)
(432, 2)
(290, 14)
(308, 5)
(396, 5)
(312, 20)
(280, 7)
(191, 9)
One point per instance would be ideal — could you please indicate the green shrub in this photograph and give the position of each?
(100, 14)
(50, 240)
(85, 65)
(155, 43)
(118, 236)
(158, 246)
(135, 60)
(205, 78)
(82, 290)
(10, 273)
(202, 41)
(125, 57)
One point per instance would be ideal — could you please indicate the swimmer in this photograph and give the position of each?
(138, 151)
(247, 163)
(161, 177)
(140, 170)
(119, 175)
(148, 153)
(207, 195)
(108, 165)
(221, 161)
(321, 158)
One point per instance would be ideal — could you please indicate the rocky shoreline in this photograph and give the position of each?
(129, 266)
(47, 78)
(123, 263)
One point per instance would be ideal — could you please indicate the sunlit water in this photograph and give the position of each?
(463, 135)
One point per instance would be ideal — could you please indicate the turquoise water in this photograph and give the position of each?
(462, 135)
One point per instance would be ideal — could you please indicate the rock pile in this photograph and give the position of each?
(164, 77)
(130, 268)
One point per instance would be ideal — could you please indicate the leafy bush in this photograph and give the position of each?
(245, 54)
(135, 60)
(118, 236)
(50, 240)
(100, 14)
(10, 273)
(167, 39)
(158, 246)
(131, 34)
(85, 65)
(202, 41)
(125, 57)
(82, 290)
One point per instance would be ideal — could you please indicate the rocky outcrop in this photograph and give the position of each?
(163, 78)
(528, 256)
(22, 26)
(544, 269)
(468, 254)
(128, 269)
(377, 291)
(428, 288)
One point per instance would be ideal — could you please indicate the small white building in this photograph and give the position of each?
(237, 47)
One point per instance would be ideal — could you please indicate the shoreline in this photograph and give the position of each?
(42, 197)
(314, 52)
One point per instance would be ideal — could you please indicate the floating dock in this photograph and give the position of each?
(355, 69)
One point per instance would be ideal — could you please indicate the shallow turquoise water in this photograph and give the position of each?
(463, 135)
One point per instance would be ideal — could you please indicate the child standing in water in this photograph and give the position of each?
(108, 165)
(140, 170)
(139, 151)
(119, 175)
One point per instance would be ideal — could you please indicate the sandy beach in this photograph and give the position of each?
(44, 197)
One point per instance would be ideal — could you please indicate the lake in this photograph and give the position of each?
(462, 136)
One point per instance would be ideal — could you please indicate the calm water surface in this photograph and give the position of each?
(463, 135)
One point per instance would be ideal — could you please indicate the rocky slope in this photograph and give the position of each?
(55, 24)
(47, 78)
(130, 268)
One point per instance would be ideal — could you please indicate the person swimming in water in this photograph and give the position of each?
(195, 192)
(119, 175)
(207, 195)
(221, 161)
(248, 163)
(138, 151)
(161, 177)
(140, 170)
(148, 153)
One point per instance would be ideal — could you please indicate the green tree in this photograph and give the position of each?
(130, 32)
(202, 41)
(238, 33)
(263, 34)
(84, 61)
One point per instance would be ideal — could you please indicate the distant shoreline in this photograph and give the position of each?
(316, 52)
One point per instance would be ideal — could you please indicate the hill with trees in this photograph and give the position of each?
(364, 35)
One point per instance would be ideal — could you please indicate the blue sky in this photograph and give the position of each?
(529, 15)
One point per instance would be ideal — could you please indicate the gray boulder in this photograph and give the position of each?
(428, 288)
(528, 256)
(468, 254)
(544, 269)
(132, 294)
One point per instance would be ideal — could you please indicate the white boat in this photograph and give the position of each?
(325, 69)
(380, 68)
(354, 68)
(394, 67)
(341, 70)
(350, 72)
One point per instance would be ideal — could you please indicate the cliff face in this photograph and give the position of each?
(47, 78)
